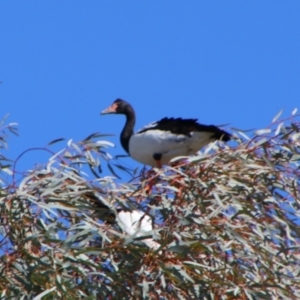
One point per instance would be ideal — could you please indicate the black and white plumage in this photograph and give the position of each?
(134, 223)
(157, 143)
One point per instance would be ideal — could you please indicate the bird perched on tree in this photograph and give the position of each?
(157, 143)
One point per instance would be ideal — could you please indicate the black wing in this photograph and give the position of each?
(185, 127)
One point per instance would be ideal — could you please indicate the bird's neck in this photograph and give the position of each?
(128, 129)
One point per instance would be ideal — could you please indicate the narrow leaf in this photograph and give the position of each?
(55, 141)
(277, 116)
(262, 131)
(41, 295)
(113, 171)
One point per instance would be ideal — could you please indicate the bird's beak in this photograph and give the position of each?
(106, 111)
(109, 110)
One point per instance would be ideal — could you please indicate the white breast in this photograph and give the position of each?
(142, 146)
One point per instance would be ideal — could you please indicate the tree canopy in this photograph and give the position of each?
(219, 225)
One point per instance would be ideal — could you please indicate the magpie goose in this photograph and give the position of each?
(157, 143)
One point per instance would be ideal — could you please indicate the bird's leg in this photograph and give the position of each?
(152, 175)
(157, 158)
(158, 164)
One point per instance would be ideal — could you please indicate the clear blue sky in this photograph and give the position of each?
(62, 62)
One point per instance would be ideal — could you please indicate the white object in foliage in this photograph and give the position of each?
(138, 224)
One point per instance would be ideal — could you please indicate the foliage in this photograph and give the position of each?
(225, 224)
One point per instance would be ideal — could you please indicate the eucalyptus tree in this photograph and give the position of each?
(222, 224)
